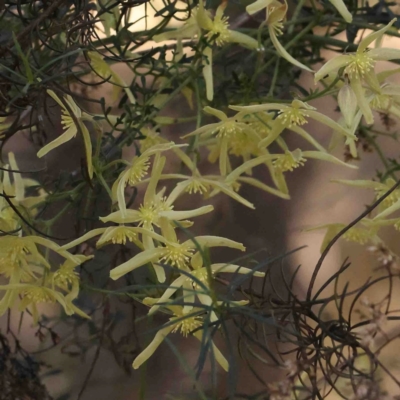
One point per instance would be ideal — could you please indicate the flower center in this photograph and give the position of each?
(293, 116)
(186, 325)
(228, 130)
(289, 162)
(138, 170)
(177, 255)
(65, 277)
(219, 32)
(359, 65)
(381, 102)
(202, 276)
(148, 214)
(358, 235)
(121, 234)
(38, 295)
(196, 186)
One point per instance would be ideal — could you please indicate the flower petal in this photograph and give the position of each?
(332, 65)
(242, 39)
(63, 138)
(180, 215)
(215, 241)
(373, 36)
(135, 262)
(342, 9)
(152, 347)
(235, 269)
(283, 52)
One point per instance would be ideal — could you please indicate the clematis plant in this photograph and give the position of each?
(72, 119)
(359, 69)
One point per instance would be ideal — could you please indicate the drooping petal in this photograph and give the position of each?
(63, 138)
(156, 172)
(260, 185)
(217, 113)
(88, 148)
(175, 285)
(221, 360)
(347, 101)
(180, 215)
(362, 101)
(117, 217)
(234, 175)
(231, 193)
(258, 6)
(242, 39)
(235, 269)
(332, 65)
(152, 347)
(89, 235)
(327, 157)
(135, 262)
(390, 210)
(342, 9)
(207, 73)
(374, 36)
(215, 241)
(283, 52)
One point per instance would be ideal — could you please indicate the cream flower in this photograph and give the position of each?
(276, 14)
(292, 117)
(188, 324)
(72, 119)
(359, 67)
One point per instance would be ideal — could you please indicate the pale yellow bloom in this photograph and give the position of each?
(292, 117)
(359, 67)
(276, 15)
(105, 72)
(217, 32)
(189, 323)
(72, 123)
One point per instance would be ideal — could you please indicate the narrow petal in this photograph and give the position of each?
(283, 53)
(342, 9)
(362, 101)
(306, 136)
(235, 269)
(327, 157)
(332, 65)
(52, 94)
(63, 138)
(260, 107)
(135, 262)
(158, 166)
(373, 36)
(248, 165)
(347, 101)
(89, 235)
(258, 6)
(208, 74)
(260, 185)
(388, 211)
(175, 285)
(180, 215)
(360, 183)
(217, 113)
(223, 156)
(152, 347)
(221, 360)
(317, 116)
(228, 191)
(88, 148)
(215, 241)
(117, 217)
(277, 129)
(242, 39)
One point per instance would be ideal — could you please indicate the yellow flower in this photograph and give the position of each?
(136, 170)
(216, 31)
(359, 67)
(365, 232)
(291, 117)
(171, 252)
(276, 14)
(225, 134)
(195, 283)
(33, 294)
(189, 323)
(105, 72)
(72, 120)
